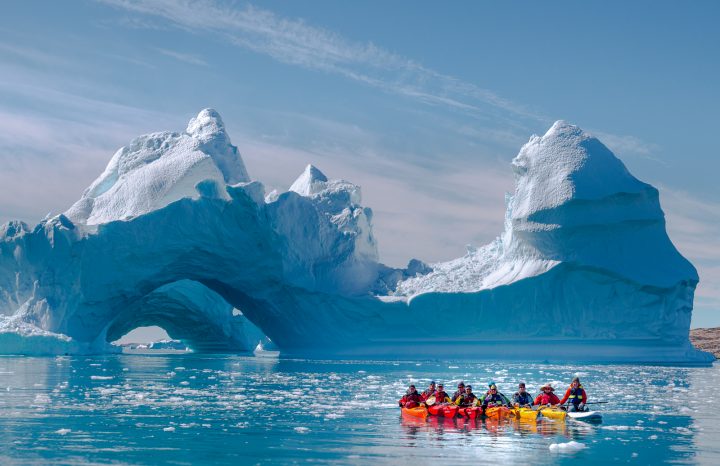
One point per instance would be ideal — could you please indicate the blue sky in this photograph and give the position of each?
(422, 104)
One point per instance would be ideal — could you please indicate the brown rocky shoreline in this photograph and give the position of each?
(706, 339)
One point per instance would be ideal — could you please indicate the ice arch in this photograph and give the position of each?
(191, 312)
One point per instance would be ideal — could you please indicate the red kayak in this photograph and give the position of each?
(470, 413)
(445, 410)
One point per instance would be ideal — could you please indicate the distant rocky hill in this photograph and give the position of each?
(706, 339)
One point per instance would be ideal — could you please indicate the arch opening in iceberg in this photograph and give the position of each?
(189, 311)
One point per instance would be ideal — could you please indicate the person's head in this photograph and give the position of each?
(411, 389)
(441, 387)
(521, 387)
(461, 386)
(468, 389)
(547, 388)
(575, 382)
(432, 385)
(493, 388)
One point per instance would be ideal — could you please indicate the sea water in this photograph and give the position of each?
(200, 409)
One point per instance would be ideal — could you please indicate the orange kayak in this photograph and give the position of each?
(470, 413)
(420, 411)
(444, 410)
(498, 412)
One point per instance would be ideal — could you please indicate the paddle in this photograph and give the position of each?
(430, 401)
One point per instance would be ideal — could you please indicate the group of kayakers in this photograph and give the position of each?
(575, 397)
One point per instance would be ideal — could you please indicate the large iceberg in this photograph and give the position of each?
(174, 233)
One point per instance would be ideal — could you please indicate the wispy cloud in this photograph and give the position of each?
(293, 41)
(629, 145)
(184, 57)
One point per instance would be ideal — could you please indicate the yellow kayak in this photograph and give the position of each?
(526, 414)
(553, 413)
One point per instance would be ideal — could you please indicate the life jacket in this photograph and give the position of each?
(427, 394)
(523, 399)
(441, 397)
(547, 398)
(494, 398)
(467, 400)
(576, 395)
(411, 397)
(457, 395)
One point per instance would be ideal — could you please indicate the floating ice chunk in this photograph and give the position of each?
(569, 447)
(63, 431)
(301, 430)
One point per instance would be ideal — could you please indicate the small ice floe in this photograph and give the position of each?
(169, 429)
(63, 431)
(302, 430)
(568, 447)
(101, 377)
(653, 437)
(453, 367)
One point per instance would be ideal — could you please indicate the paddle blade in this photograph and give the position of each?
(430, 401)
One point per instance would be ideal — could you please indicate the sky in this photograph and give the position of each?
(423, 105)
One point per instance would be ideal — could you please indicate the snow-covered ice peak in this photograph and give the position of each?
(157, 169)
(565, 164)
(206, 125)
(311, 181)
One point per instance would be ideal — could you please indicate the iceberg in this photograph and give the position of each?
(175, 233)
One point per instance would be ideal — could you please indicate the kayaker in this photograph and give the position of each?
(522, 398)
(546, 396)
(460, 392)
(575, 396)
(467, 399)
(429, 392)
(412, 398)
(441, 395)
(494, 398)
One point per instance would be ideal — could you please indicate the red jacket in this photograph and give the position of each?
(411, 397)
(427, 394)
(442, 397)
(579, 394)
(547, 398)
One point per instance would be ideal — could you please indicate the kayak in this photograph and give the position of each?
(470, 413)
(553, 413)
(444, 410)
(526, 414)
(586, 416)
(498, 412)
(420, 411)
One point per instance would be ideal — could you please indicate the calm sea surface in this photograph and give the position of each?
(199, 409)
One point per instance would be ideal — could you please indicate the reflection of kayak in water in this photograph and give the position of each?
(470, 413)
(586, 416)
(444, 410)
(420, 412)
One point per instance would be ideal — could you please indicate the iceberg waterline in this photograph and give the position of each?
(174, 233)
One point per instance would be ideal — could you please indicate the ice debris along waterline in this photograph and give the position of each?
(174, 233)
